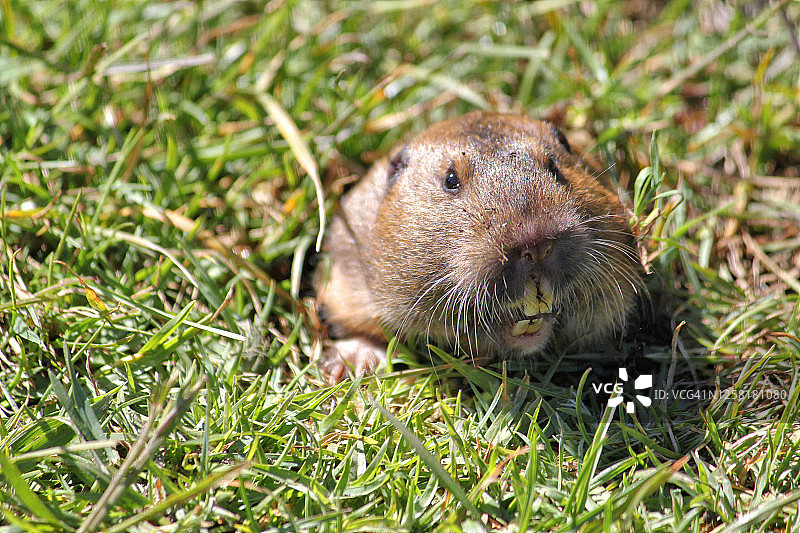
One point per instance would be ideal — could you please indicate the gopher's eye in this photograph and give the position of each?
(451, 182)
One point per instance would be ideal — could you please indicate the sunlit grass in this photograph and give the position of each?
(158, 222)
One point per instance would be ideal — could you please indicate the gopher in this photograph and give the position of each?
(482, 233)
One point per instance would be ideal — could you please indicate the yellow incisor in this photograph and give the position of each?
(537, 301)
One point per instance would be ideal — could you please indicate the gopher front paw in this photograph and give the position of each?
(357, 356)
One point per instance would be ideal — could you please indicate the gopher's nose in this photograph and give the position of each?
(537, 251)
(531, 258)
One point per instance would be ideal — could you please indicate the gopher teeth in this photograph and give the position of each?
(537, 300)
(527, 327)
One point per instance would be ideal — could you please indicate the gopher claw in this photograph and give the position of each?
(354, 356)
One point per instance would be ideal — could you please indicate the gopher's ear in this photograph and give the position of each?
(562, 139)
(396, 166)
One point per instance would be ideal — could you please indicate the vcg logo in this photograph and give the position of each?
(615, 390)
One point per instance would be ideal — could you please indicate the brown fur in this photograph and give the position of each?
(411, 256)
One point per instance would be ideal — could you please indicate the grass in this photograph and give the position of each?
(158, 218)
